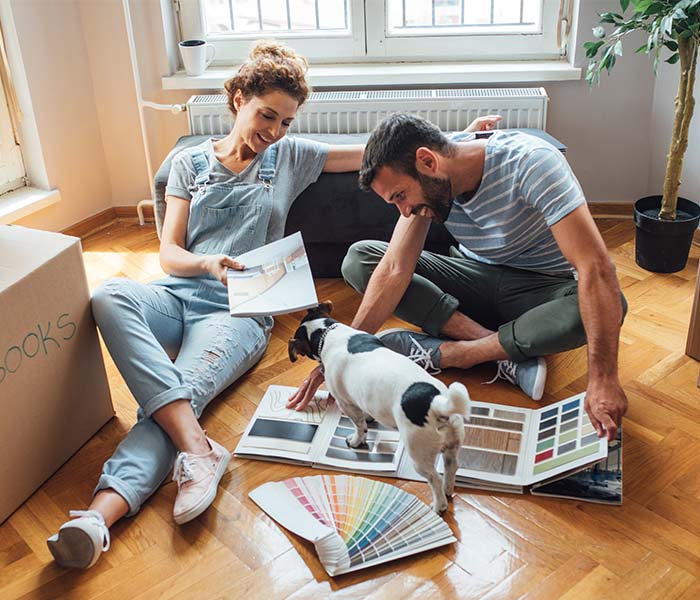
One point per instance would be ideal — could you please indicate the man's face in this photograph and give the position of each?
(426, 196)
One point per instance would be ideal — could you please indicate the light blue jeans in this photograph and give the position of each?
(144, 326)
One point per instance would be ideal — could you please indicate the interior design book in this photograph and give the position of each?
(277, 279)
(505, 448)
(353, 522)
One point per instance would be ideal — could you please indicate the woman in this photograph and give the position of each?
(224, 198)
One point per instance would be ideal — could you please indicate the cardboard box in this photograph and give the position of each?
(54, 393)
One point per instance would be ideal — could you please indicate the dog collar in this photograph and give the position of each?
(322, 340)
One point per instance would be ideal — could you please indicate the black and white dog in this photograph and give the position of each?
(368, 379)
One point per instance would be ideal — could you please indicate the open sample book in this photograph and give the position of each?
(353, 522)
(505, 448)
(277, 279)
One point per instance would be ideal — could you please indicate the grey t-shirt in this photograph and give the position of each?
(299, 163)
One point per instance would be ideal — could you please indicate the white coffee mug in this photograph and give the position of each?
(196, 55)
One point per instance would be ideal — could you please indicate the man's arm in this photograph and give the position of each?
(601, 313)
(393, 274)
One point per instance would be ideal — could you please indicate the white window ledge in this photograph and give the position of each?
(383, 74)
(25, 201)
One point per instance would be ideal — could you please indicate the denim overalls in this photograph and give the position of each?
(143, 326)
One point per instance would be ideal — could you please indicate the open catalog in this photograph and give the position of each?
(505, 448)
(277, 279)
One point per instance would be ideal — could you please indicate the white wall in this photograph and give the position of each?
(54, 52)
(78, 66)
(606, 129)
(665, 92)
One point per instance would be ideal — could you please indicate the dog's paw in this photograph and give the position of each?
(439, 507)
(355, 441)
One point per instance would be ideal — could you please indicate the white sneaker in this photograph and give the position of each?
(197, 477)
(79, 542)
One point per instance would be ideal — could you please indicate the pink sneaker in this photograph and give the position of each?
(80, 541)
(197, 477)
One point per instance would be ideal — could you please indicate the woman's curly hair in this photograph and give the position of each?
(270, 66)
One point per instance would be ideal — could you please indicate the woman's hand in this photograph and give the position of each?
(306, 391)
(486, 123)
(218, 264)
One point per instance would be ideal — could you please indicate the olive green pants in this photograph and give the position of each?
(534, 314)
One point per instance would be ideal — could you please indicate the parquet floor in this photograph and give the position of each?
(509, 546)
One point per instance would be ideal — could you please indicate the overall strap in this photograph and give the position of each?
(267, 168)
(201, 167)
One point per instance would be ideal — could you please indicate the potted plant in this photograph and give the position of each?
(664, 224)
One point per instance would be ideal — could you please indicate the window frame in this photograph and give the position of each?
(313, 46)
(369, 42)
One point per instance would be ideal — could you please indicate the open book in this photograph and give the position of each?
(505, 448)
(277, 279)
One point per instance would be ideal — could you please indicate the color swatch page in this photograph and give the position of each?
(519, 446)
(316, 435)
(563, 438)
(282, 433)
(353, 522)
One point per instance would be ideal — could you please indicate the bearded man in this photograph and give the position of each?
(531, 276)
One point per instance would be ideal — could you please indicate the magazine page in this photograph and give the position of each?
(282, 434)
(277, 279)
(494, 451)
(562, 439)
(380, 454)
(600, 482)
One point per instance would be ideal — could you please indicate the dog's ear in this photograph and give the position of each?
(325, 307)
(296, 346)
(322, 310)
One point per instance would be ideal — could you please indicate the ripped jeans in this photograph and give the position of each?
(143, 326)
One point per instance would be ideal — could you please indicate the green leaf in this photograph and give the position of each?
(592, 48)
(671, 45)
(673, 59)
(625, 3)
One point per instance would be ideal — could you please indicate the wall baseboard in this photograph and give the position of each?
(105, 218)
(127, 214)
(611, 210)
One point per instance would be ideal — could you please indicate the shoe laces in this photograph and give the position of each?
(183, 471)
(506, 370)
(422, 357)
(97, 520)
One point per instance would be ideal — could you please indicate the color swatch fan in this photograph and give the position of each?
(353, 522)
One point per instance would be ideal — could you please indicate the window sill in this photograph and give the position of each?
(25, 201)
(383, 74)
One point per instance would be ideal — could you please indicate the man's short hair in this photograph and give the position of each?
(394, 142)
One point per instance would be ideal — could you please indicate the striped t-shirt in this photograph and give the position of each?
(527, 187)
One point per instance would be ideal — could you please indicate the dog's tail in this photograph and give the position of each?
(455, 402)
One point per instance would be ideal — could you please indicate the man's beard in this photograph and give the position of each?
(438, 196)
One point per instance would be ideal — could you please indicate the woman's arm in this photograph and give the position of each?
(342, 159)
(174, 259)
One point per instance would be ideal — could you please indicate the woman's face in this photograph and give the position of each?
(262, 120)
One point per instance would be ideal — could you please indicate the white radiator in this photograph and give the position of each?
(360, 111)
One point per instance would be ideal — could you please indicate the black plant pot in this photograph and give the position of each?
(663, 246)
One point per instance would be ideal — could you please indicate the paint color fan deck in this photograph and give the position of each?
(353, 522)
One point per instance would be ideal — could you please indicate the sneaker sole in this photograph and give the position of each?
(72, 547)
(208, 498)
(384, 332)
(538, 389)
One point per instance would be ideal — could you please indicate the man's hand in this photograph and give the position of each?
(605, 404)
(306, 391)
(486, 123)
(219, 264)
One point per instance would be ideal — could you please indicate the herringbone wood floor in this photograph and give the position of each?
(510, 546)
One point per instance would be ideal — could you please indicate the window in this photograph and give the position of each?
(12, 173)
(388, 30)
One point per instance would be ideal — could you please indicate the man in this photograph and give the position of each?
(531, 276)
